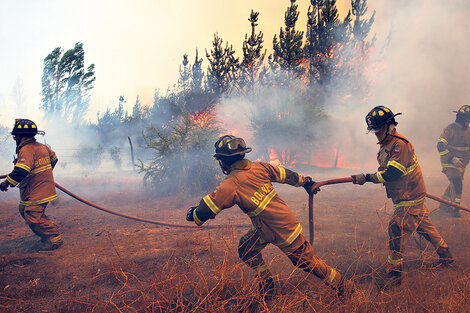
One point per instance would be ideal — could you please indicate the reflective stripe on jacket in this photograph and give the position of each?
(249, 185)
(32, 173)
(454, 140)
(409, 189)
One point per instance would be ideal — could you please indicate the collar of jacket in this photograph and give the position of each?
(388, 138)
(244, 164)
(25, 141)
(461, 125)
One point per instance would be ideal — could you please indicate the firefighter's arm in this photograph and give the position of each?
(211, 205)
(396, 166)
(23, 166)
(52, 157)
(283, 175)
(442, 146)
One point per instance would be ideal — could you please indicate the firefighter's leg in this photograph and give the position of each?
(429, 231)
(457, 196)
(41, 225)
(249, 251)
(401, 227)
(301, 254)
(395, 257)
(453, 192)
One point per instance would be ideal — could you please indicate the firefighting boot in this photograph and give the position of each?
(445, 257)
(51, 243)
(266, 288)
(344, 289)
(393, 277)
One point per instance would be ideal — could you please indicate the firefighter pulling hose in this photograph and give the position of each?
(351, 180)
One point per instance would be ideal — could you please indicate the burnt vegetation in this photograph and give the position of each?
(309, 67)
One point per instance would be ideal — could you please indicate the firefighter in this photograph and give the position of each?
(32, 174)
(401, 174)
(455, 155)
(249, 185)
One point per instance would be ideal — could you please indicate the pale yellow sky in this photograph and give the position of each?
(136, 46)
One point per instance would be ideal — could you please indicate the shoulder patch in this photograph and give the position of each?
(21, 160)
(396, 150)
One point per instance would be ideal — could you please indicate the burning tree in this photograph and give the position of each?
(288, 51)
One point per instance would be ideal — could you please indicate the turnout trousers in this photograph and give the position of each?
(39, 223)
(402, 226)
(453, 191)
(251, 244)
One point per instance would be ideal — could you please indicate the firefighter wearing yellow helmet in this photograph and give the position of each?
(249, 185)
(454, 151)
(401, 174)
(32, 174)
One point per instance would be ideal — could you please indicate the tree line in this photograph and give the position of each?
(312, 65)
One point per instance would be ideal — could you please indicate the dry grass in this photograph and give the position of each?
(114, 265)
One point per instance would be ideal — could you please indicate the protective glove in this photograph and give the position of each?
(189, 214)
(359, 179)
(4, 185)
(309, 182)
(457, 162)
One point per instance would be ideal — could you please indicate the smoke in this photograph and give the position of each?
(419, 67)
(426, 75)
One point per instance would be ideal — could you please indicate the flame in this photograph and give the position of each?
(201, 119)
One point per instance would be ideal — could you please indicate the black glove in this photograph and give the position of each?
(309, 182)
(189, 214)
(4, 185)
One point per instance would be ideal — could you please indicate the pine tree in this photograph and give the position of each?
(66, 83)
(197, 74)
(326, 36)
(137, 110)
(222, 66)
(184, 81)
(288, 51)
(253, 57)
(361, 26)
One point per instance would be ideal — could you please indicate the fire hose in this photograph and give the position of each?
(350, 180)
(310, 206)
(128, 216)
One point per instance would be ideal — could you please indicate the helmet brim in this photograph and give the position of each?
(246, 150)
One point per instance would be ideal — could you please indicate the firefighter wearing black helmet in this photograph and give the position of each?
(401, 174)
(454, 151)
(249, 185)
(32, 174)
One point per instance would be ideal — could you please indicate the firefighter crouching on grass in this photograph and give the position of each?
(401, 174)
(455, 155)
(248, 184)
(32, 174)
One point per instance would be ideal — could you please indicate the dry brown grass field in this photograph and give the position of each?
(111, 264)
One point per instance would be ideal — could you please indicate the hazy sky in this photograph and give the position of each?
(136, 46)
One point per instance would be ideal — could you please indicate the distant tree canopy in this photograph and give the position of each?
(66, 83)
(288, 89)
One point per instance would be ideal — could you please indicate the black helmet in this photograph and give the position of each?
(380, 116)
(24, 127)
(229, 145)
(464, 112)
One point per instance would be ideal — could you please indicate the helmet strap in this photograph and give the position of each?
(225, 168)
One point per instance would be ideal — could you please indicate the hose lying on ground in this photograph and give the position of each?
(129, 216)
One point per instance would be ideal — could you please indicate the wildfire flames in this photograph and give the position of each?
(201, 119)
